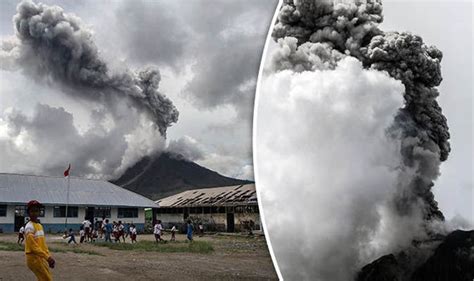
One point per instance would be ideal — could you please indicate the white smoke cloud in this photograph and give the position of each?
(327, 169)
(222, 161)
(50, 140)
(186, 147)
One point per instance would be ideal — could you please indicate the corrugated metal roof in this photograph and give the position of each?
(16, 188)
(215, 196)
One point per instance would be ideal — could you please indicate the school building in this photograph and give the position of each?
(88, 199)
(228, 208)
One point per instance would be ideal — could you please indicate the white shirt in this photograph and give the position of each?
(86, 223)
(82, 233)
(158, 228)
(173, 228)
(133, 230)
(22, 229)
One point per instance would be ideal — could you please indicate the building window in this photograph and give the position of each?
(3, 210)
(101, 212)
(21, 211)
(127, 212)
(60, 212)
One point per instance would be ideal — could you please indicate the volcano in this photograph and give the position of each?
(451, 259)
(166, 174)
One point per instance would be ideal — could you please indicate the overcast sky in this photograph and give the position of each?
(208, 53)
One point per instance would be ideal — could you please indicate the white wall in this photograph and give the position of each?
(10, 218)
(50, 219)
(49, 216)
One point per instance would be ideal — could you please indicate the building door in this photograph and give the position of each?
(185, 214)
(19, 222)
(90, 214)
(20, 215)
(230, 222)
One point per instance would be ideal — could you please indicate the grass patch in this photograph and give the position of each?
(10, 246)
(201, 247)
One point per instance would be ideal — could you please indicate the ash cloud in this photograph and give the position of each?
(345, 28)
(317, 37)
(127, 116)
(56, 46)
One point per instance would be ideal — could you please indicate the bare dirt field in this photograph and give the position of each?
(230, 258)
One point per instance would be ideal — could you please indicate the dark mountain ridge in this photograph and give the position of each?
(450, 259)
(166, 174)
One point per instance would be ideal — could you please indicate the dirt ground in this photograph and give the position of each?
(233, 258)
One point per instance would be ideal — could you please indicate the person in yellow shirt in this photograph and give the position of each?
(38, 258)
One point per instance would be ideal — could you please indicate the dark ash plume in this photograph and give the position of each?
(51, 44)
(317, 34)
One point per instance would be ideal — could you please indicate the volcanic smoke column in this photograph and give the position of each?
(52, 44)
(129, 116)
(329, 30)
(349, 139)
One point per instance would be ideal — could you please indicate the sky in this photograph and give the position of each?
(208, 54)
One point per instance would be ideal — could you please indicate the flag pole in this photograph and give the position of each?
(67, 195)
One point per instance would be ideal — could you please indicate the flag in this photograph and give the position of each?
(66, 173)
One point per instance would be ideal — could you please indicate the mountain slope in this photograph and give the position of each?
(451, 260)
(160, 176)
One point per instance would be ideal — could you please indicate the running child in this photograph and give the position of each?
(173, 233)
(189, 232)
(21, 235)
(82, 234)
(116, 233)
(133, 233)
(121, 231)
(71, 237)
(157, 231)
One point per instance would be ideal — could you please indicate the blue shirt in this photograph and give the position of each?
(108, 227)
(190, 229)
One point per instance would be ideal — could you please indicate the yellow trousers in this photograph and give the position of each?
(39, 267)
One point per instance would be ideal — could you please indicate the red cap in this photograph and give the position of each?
(33, 203)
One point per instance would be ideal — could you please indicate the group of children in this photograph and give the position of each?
(158, 231)
(116, 230)
(103, 230)
(120, 230)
